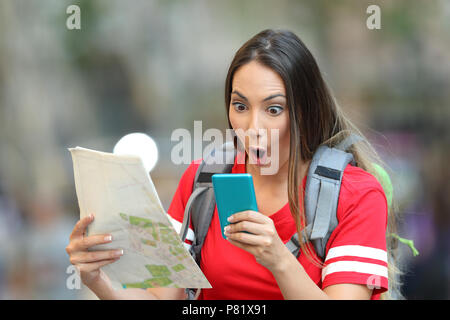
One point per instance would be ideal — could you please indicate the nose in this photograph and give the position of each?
(255, 125)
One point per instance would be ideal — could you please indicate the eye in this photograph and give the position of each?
(239, 107)
(275, 110)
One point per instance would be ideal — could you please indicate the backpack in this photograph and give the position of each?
(321, 197)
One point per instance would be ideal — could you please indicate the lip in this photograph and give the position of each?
(255, 159)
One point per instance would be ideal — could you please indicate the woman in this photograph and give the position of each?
(274, 84)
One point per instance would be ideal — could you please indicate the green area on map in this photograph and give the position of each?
(160, 274)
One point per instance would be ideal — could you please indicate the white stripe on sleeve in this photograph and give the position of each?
(355, 266)
(177, 226)
(357, 251)
(187, 245)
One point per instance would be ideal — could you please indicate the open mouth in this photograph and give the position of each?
(258, 155)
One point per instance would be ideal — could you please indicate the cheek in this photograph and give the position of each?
(285, 148)
(286, 143)
(283, 127)
(285, 136)
(234, 120)
(238, 123)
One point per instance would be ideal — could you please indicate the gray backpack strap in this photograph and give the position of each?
(201, 204)
(322, 194)
(220, 160)
(187, 212)
(293, 245)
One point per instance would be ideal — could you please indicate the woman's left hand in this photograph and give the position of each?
(263, 242)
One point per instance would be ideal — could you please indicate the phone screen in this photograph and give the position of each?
(233, 193)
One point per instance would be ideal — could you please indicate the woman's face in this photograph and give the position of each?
(257, 111)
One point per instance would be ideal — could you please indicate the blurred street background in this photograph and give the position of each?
(154, 66)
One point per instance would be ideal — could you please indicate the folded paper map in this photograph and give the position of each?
(121, 194)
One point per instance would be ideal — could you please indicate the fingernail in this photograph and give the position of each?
(230, 218)
(118, 253)
(108, 238)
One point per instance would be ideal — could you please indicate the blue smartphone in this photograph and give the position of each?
(234, 192)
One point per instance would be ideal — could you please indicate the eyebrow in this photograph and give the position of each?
(268, 98)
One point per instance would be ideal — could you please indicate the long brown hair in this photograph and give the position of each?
(315, 119)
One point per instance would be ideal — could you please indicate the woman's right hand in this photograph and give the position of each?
(87, 262)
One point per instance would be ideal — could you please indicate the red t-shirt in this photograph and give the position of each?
(355, 252)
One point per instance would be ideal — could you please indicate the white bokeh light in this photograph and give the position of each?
(138, 144)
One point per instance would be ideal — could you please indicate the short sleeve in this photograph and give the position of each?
(356, 251)
(180, 199)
